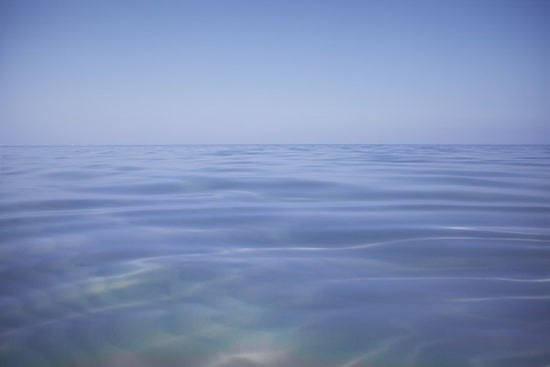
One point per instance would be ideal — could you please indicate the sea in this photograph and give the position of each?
(275, 255)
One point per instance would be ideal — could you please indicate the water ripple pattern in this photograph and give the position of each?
(291, 255)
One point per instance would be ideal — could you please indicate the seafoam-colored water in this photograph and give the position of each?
(294, 256)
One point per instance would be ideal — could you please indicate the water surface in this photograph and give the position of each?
(295, 256)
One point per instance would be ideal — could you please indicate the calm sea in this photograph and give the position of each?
(290, 256)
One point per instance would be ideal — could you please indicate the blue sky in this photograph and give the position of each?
(192, 72)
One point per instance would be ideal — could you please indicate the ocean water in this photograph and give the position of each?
(292, 255)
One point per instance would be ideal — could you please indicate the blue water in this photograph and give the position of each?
(294, 256)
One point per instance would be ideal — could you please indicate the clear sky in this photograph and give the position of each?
(259, 71)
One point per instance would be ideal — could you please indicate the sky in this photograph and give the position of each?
(297, 71)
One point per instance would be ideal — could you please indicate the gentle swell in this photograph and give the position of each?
(305, 256)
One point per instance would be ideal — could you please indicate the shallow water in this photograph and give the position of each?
(329, 255)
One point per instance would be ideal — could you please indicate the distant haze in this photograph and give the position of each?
(192, 72)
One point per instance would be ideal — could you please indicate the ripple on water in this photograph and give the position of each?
(275, 256)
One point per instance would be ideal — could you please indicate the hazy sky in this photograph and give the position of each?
(232, 71)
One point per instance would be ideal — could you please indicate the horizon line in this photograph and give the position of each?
(271, 144)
